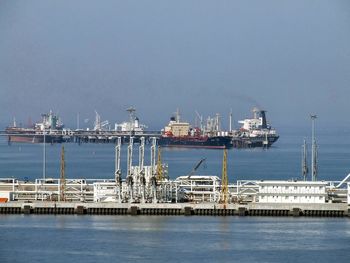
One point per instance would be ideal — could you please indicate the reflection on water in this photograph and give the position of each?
(171, 238)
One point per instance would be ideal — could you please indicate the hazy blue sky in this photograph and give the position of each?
(289, 57)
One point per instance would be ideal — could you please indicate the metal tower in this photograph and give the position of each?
(224, 181)
(153, 179)
(129, 177)
(62, 177)
(118, 171)
(160, 176)
(142, 177)
(304, 168)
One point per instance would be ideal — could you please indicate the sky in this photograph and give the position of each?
(289, 57)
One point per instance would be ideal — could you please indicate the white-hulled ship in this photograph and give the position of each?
(255, 132)
(133, 126)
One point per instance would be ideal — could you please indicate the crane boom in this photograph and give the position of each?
(196, 167)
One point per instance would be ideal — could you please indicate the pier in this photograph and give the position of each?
(148, 190)
(82, 136)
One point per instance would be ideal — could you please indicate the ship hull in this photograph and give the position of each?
(252, 142)
(34, 139)
(217, 142)
(22, 135)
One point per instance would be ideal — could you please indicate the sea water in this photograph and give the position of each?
(50, 238)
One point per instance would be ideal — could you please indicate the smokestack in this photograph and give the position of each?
(263, 117)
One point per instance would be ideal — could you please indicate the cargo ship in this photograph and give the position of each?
(49, 128)
(180, 134)
(254, 132)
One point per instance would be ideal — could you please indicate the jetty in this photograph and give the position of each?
(148, 190)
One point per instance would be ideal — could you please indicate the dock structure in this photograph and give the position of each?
(198, 195)
(85, 136)
(187, 209)
(147, 190)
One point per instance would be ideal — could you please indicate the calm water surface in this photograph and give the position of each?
(173, 239)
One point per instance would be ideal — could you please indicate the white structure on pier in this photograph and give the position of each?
(292, 192)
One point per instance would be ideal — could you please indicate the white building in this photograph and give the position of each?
(105, 192)
(199, 188)
(292, 192)
(348, 193)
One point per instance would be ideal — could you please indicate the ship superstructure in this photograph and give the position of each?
(49, 129)
(180, 134)
(133, 126)
(49, 121)
(255, 132)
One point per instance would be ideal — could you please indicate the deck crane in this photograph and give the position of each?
(196, 167)
(200, 118)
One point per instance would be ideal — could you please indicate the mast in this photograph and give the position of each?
(304, 168)
(78, 121)
(131, 111)
(44, 155)
(118, 172)
(224, 181)
(230, 121)
(177, 115)
(313, 150)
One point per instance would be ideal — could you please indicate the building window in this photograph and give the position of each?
(286, 197)
(295, 198)
(295, 188)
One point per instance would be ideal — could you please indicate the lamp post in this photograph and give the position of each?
(313, 151)
(44, 155)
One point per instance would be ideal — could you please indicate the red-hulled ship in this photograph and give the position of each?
(180, 134)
